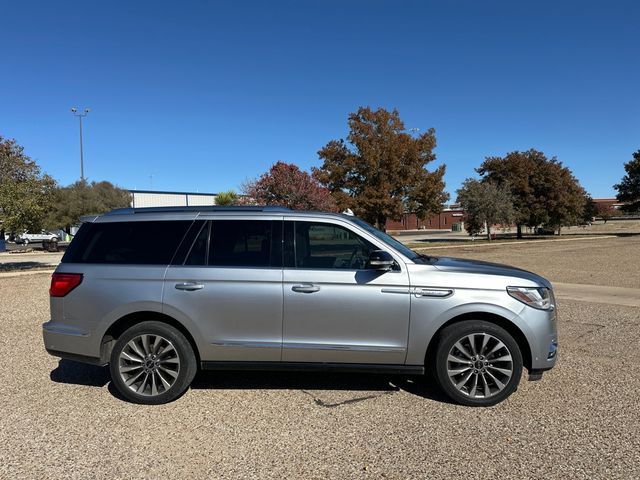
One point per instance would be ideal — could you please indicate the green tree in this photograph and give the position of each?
(84, 198)
(565, 197)
(229, 197)
(544, 191)
(25, 192)
(286, 185)
(590, 209)
(380, 172)
(485, 204)
(629, 186)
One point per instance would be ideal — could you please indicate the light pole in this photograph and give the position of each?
(80, 116)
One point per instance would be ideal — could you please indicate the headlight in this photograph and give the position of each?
(536, 297)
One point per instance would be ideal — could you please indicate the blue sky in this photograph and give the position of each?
(202, 95)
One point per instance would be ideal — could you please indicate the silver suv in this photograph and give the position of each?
(159, 292)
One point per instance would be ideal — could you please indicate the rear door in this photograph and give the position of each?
(228, 287)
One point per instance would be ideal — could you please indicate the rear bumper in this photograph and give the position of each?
(66, 341)
(77, 358)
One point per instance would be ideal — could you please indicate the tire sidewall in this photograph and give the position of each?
(455, 332)
(188, 362)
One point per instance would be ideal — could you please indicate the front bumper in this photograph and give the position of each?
(542, 335)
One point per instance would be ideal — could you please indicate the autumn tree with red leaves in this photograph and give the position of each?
(285, 185)
(605, 212)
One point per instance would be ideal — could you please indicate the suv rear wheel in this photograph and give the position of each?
(477, 363)
(152, 363)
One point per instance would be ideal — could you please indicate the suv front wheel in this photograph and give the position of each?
(477, 363)
(152, 363)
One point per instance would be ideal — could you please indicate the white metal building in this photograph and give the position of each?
(151, 198)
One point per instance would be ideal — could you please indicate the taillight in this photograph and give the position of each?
(63, 283)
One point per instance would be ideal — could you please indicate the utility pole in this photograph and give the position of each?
(80, 116)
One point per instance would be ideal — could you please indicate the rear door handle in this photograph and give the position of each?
(306, 288)
(189, 286)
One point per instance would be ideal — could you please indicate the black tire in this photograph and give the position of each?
(186, 369)
(440, 364)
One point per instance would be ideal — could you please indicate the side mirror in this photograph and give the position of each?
(380, 260)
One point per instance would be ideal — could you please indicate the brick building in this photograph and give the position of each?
(453, 214)
(611, 203)
(445, 220)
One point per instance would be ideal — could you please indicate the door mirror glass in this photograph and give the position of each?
(380, 260)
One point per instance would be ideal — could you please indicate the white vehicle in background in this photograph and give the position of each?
(27, 238)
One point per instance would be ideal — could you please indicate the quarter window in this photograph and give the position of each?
(131, 243)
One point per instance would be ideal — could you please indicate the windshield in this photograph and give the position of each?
(388, 239)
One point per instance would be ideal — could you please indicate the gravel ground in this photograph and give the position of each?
(613, 262)
(61, 419)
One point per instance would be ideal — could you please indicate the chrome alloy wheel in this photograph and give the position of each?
(479, 365)
(149, 364)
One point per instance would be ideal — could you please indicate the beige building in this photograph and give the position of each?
(152, 198)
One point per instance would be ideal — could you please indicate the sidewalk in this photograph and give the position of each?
(598, 294)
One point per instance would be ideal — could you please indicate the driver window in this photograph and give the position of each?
(323, 245)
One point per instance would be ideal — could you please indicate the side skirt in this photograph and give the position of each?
(316, 367)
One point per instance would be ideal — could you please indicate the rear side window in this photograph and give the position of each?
(245, 243)
(134, 243)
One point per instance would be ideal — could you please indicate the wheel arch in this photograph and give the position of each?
(503, 322)
(125, 322)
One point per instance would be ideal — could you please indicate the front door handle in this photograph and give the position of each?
(306, 288)
(189, 286)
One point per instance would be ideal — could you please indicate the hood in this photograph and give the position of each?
(477, 267)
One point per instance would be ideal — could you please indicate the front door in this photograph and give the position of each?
(228, 289)
(335, 309)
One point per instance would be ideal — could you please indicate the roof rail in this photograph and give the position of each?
(205, 208)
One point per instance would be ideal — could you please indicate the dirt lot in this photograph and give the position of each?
(617, 226)
(612, 261)
(61, 420)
